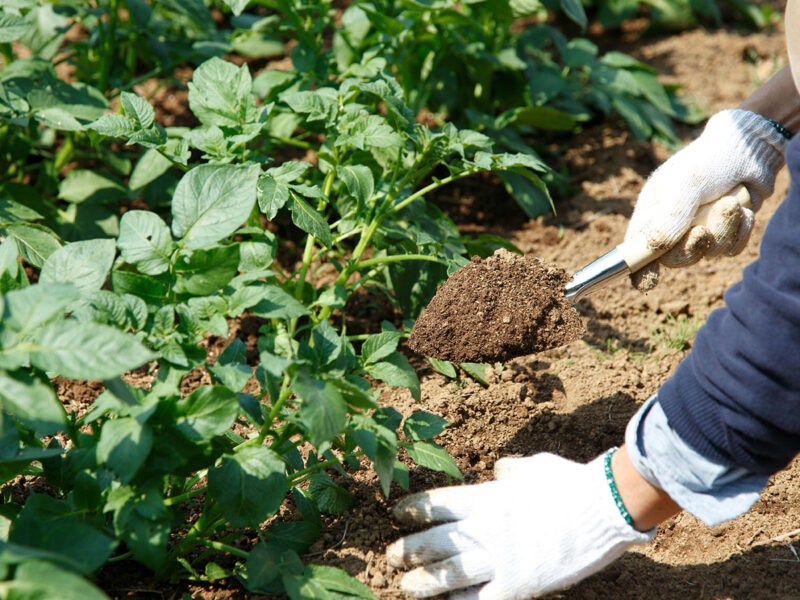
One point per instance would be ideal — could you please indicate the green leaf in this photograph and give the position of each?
(137, 109)
(334, 296)
(329, 497)
(33, 306)
(86, 264)
(13, 211)
(653, 91)
(423, 425)
(379, 346)
(442, 366)
(144, 241)
(272, 195)
(317, 104)
(116, 126)
(541, 117)
(206, 412)
(257, 254)
(34, 242)
(150, 167)
(12, 27)
(310, 220)
(296, 535)
(143, 522)
(213, 571)
(249, 485)
(33, 402)
(574, 10)
(380, 445)
(124, 445)
(212, 201)
(46, 523)
(433, 456)
(354, 393)
(261, 567)
(87, 350)
(629, 111)
(84, 185)
(149, 289)
(278, 304)
(57, 118)
(231, 368)
(322, 410)
(359, 181)
(40, 579)
(220, 93)
(237, 6)
(397, 372)
(303, 588)
(337, 580)
(529, 191)
(370, 131)
(477, 371)
(206, 271)
(400, 474)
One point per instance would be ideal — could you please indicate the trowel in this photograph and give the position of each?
(450, 335)
(631, 255)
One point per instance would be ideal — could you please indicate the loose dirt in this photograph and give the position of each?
(496, 309)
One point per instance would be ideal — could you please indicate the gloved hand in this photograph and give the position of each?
(544, 524)
(736, 147)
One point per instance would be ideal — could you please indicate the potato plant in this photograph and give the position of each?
(125, 470)
(470, 64)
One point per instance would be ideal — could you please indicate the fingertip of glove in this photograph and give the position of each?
(395, 553)
(420, 583)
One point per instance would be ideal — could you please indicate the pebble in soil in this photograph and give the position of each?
(495, 309)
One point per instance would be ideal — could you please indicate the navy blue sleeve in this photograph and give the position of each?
(736, 397)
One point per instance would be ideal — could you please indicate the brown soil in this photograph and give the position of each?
(496, 309)
(576, 400)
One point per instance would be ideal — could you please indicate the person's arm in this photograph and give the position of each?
(647, 504)
(777, 100)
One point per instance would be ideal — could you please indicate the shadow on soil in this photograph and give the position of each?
(768, 573)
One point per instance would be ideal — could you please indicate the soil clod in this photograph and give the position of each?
(496, 309)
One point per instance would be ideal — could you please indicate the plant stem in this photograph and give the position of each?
(309, 249)
(303, 474)
(64, 153)
(7, 53)
(295, 142)
(286, 391)
(429, 188)
(172, 500)
(123, 556)
(108, 47)
(397, 258)
(223, 547)
(204, 522)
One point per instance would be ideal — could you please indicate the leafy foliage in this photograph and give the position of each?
(124, 244)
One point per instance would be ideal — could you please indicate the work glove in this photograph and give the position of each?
(544, 524)
(736, 147)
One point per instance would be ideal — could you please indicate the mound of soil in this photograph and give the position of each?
(496, 309)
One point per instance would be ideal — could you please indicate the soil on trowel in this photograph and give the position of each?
(496, 309)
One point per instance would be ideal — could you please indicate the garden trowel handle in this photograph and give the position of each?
(633, 254)
(637, 253)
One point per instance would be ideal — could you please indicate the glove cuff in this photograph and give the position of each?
(611, 510)
(757, 134)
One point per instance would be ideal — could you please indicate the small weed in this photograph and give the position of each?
(674, 333)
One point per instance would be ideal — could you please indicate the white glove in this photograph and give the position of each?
(546, 523)
(736, 147)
